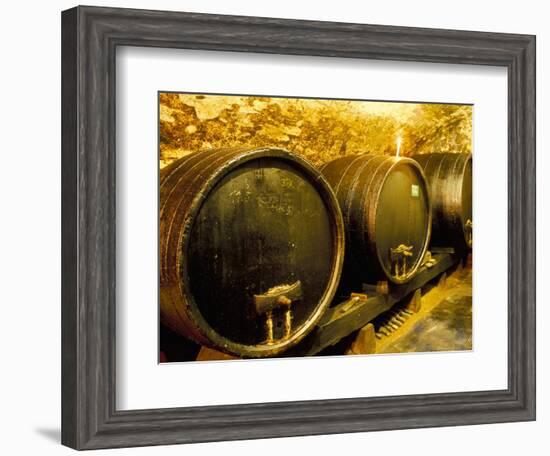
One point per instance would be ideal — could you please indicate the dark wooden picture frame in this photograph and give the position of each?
(90, 37)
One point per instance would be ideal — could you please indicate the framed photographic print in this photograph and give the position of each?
(268, 227)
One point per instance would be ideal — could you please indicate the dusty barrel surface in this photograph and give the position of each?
(251, 249)
(449, 177)
(387, 216)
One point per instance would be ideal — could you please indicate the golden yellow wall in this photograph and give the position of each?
(320, 130)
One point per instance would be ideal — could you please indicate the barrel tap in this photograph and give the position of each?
(280, 297)
(468, 226)
(398, 257)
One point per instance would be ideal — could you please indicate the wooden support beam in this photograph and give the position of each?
(365, 342)
(442, 284)
(353, 314)
(415, 303)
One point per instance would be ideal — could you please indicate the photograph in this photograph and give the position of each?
(298, 227)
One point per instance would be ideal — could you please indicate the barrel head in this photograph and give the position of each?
(467, 203)
(262, 225)
(402, 219)
(449, 177)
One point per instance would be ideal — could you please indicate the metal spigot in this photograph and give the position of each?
(278, 297)
(398, 257)
(468, 226)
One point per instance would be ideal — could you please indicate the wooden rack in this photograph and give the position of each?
(354, 313)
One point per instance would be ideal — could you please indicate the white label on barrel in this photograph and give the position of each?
(415, 191)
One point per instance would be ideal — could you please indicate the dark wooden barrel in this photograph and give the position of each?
(387, 216)
(251, 249)
(449, 178)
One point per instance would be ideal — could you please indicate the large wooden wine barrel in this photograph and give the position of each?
(387, 215)
(449, 177)
(251, 249)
